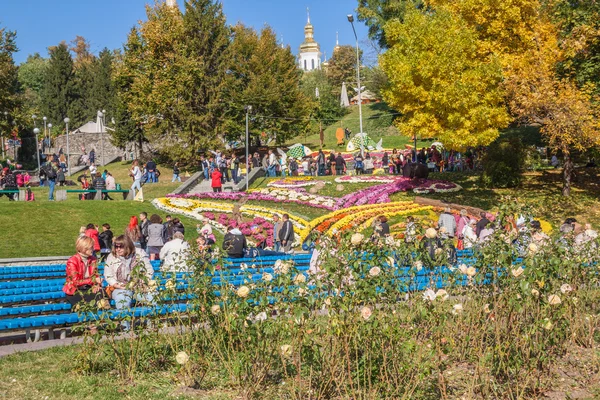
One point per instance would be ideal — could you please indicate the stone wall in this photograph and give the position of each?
(78, 141)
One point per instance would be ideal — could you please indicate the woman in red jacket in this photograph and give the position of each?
(83, 282)
(216, 180)
(92, 231)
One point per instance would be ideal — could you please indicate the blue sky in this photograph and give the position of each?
(105, 23)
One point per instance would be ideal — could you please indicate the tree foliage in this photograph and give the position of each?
(8, 71)
(441, 82)
(172, 75)
(342, 68)
(57, 91)
(31, 79)
(376, 13)
(264, 75)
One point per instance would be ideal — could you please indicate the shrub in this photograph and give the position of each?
(503, 164)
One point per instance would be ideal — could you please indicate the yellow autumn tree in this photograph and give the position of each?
(441, 81)
(569, 116)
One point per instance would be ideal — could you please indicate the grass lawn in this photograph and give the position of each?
(44, 228)
(51, 374)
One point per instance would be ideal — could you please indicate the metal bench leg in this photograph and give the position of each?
(28, 335)
(51, 333)
(37, 336)
(63, 333)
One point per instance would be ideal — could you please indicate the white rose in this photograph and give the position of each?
(429, 295)
(300, 278)
(463, 268)
(535, 292)
(182, 358)
(554, 300)
(533, 248)
(267, 277)
(243, 291)
(457, 309)
(431, 233)
(215, 309)
(302, 291)
(566, 288)
(286, 350)
(516, 272)
(471, 271)
(374, 271)
(438, 251)
(357, 239)
(366, 312)
(418, 265)
(152, 284)
(170, 285)
(328, 301)
(547, 324)
(261, 316)
(442, 294)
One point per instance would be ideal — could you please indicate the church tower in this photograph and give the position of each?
(309, 57)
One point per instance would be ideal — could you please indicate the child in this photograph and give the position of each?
(216, 181)
(105, 238)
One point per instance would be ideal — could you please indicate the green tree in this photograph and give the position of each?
(56, 95)
(102, 94)
(326, 108)
(440, 81)
(8, 70)
(342, 68)
(127, 129)
(31, 80)
(376, 13)
(264, 75)
(81, 86)
(174, 71)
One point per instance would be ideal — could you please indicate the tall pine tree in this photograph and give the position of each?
(80, 107)
(56, 93)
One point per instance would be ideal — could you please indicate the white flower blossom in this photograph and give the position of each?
(457, 309)
(554, 300)
(182, 358)
(429, 295)
(516, 272)
(357, 239)
(442, 294)
(286, 350)
(566, 288)
(366, 312)
(243, 291)
(374, 271)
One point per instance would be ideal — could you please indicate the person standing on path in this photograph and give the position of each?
(144, 223)
(276, 228)
(176, 173)
(216, 183)
(286, 233)
(151, 168)
(340, 164)
(136, 174)
(51, 176)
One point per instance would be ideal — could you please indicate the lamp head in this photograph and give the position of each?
(350, 18)
(67, 120)
(33, 116)
(44, 118)
(49, 126)
(36, 130)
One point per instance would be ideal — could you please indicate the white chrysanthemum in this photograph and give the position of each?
(300, 278)
(243, 291)
(374, 271)
(357, 239)
(328, 301)
(535, 292)
(463, 268)
(533, 248)
(366, 312)
(152, 284)
(554, 299)
(182, 358)
(486, 309)
(267, 277)
(547, 324)
(418, 265)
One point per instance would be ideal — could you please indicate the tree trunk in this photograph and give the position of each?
(567, 173)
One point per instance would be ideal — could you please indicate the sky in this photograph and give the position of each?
(105, 23)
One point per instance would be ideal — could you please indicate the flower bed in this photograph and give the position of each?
(294, 182)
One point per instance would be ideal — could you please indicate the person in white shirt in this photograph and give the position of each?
(470, 238)
(93, 169)
(110, 182)
(136, 174)
(175, 254)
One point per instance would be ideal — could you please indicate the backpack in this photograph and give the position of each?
(51, 172)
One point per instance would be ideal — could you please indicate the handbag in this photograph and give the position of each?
(460, 245)
(109, 291)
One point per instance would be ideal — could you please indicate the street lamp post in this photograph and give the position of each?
(102, 135)
(36, 131)
(6, 118)
(67, 120)
(248, 109)
(362, 146)
(45, 132)
(37, 148)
